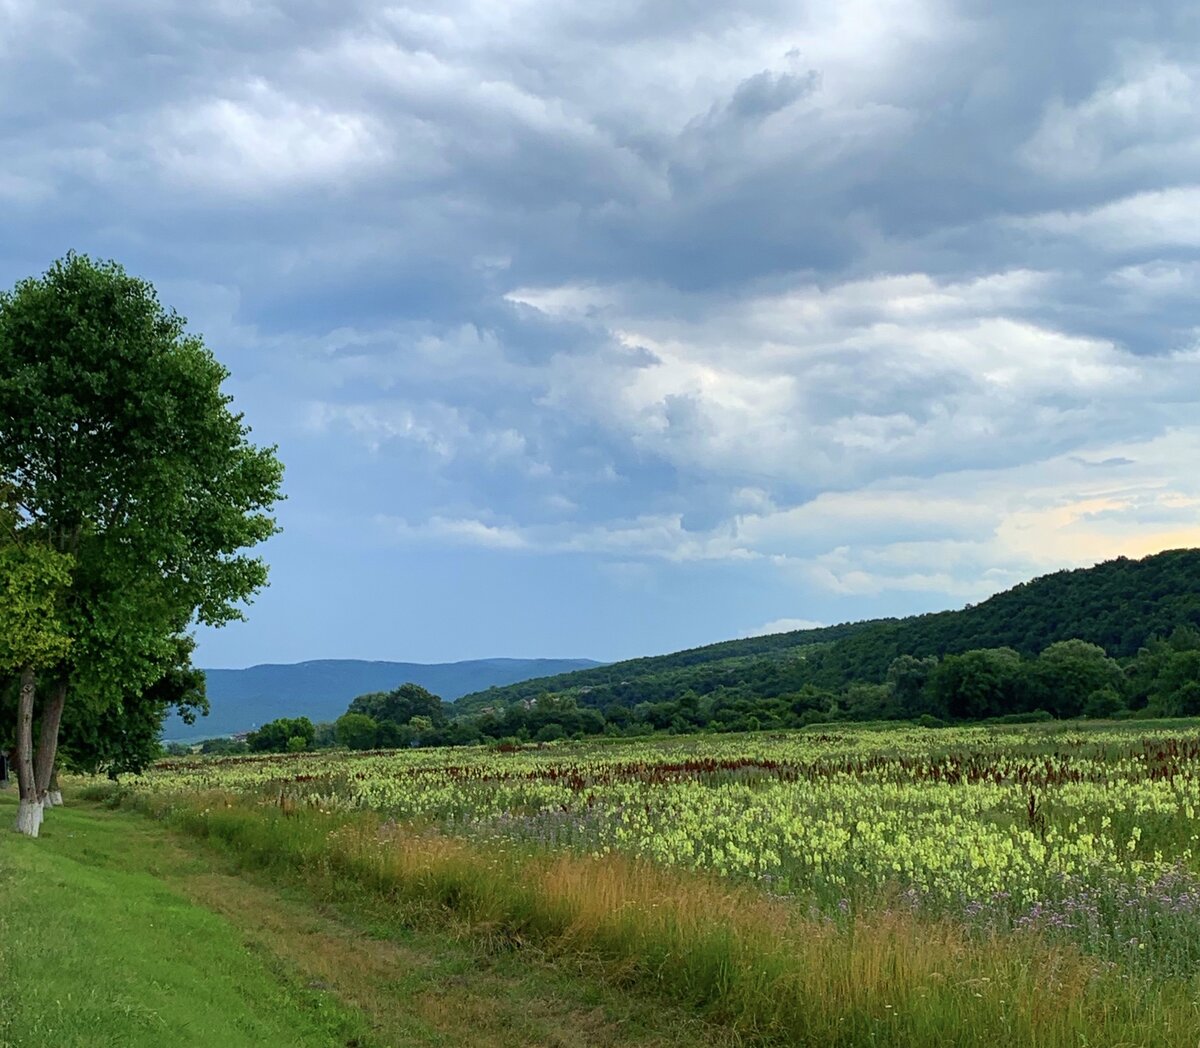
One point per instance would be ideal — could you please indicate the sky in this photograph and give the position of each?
(600, 330)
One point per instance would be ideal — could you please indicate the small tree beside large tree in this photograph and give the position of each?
(131, 493)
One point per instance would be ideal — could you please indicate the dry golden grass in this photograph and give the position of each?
(732, 955)
(336, 950)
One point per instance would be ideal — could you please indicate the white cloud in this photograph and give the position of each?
(654, 538)
(435, 428)
(827, 385)
(444, 431)
(981, 532)
(1154, 281)
(1146, 121)
(784, 626)
(963, 535)
(1158, 218)
(453, 532)
(869, 295)
(258, 139)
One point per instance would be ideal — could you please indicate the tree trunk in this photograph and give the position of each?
(29, 809)
(55, 795)
(47, 750)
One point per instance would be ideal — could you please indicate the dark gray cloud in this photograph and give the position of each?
(659, 284)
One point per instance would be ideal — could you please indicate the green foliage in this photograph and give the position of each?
(401, 705)
(325, 735)
(1117, 605)
(121, 737)
(978, 684)
(285, 735)
(773, 658)
(1166, 674)
(909, 679)
(983, 661)
(1032, 717)
(1106, 702)
(224, 747)
(421, 725)
(33, 583)
(119, 451)
(1069, 673)
(838, 674)
(357, 731)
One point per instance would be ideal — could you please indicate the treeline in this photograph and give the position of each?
(1119, 639)
(1070, 678)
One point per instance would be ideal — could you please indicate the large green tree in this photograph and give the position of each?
(283, 735)
(1069, 673)
(123, 458)
(985, 682)
(400, 705)
(357, 731)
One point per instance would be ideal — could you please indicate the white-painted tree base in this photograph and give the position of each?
(54, 798)
(29, 818)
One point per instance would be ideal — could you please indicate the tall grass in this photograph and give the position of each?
(735, 954)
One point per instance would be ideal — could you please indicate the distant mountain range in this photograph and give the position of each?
(321, 690)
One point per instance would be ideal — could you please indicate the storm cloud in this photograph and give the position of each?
(599, 330)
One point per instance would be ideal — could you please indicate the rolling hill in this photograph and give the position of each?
(1118, 605)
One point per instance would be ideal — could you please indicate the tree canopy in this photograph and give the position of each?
(401, 705)
(282, 735)
(129, 482)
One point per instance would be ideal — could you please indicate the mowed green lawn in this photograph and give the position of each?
(116, 932)
(97, 950)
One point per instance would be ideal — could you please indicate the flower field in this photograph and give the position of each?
(1087, 834)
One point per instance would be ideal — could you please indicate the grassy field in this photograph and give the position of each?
(968, 887)
(751, 964)
(116, 932)
(99, 947)
(1004, 886)
(1006, 827)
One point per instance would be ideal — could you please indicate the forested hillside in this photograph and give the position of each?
(660, 676)
(1118, 605)
(1121, 639)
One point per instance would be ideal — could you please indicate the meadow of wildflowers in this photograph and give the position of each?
(1085, 833)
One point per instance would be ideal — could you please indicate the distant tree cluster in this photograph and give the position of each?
(1013, 657)
(1116, 606)
(1070, 678)
(406, 716)
(285, 735)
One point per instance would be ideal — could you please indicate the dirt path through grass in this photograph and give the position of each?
(114, 931)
